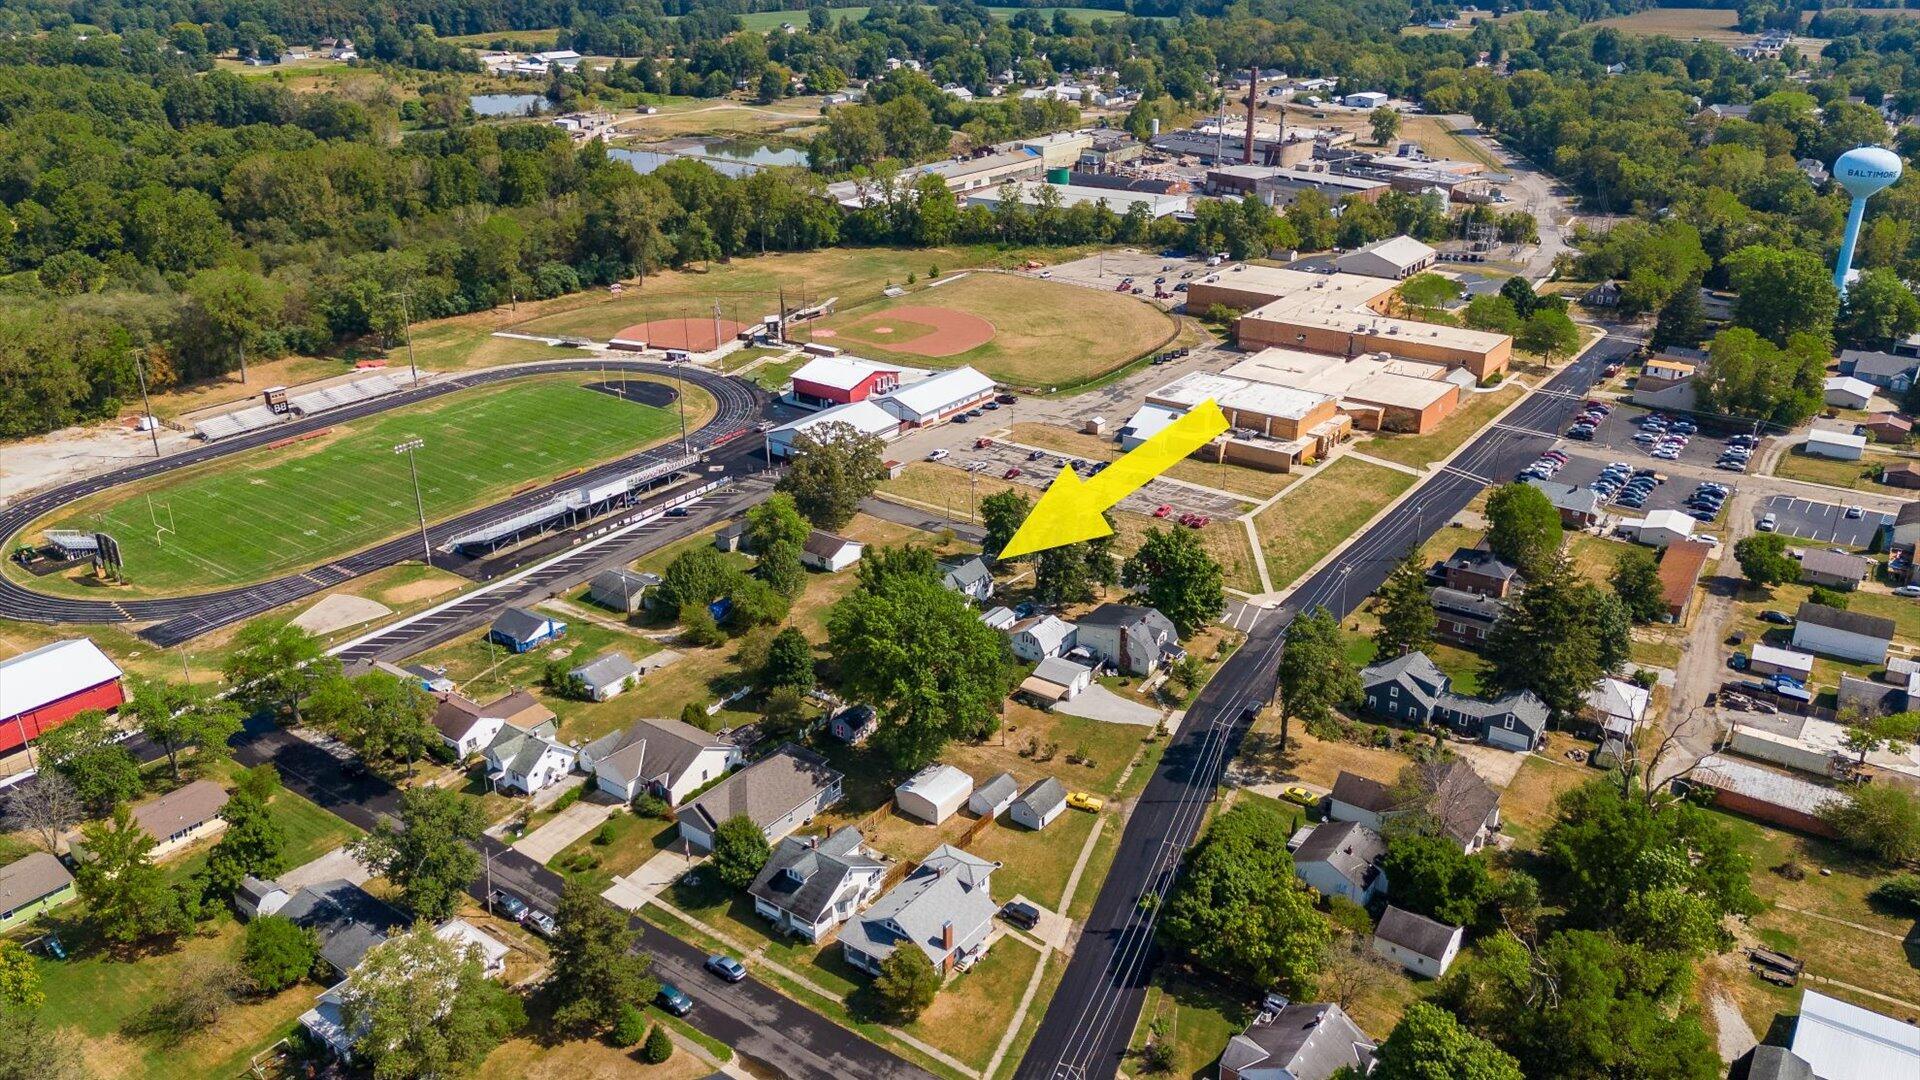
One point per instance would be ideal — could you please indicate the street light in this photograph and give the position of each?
(408, 447)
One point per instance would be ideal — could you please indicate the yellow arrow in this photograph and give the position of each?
(1069, 511)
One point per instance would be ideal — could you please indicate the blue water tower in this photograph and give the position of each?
(1863, 171)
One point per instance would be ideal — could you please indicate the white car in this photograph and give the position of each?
(1907, 590)
(1854, 512)
(1768, 523)
(1707, 538)
(937, 454)
(1046, 273)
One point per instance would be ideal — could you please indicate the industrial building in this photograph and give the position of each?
(1118, 200)
(1278, 186)
(1397, 257)
(50, 685)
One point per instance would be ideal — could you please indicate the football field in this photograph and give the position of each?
(271, 511)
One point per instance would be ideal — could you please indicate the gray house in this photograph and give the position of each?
(945, 907)
(779, 793)
(1342, 858)
(621, 590)
(1297, 1042)
(606, 675)
(1039, 804)
(1130, 638)
(669, 759)
(1884, 370)
(348, 920)
(1450, 795)
(810, 885)
(969, 577)
(1411, 689)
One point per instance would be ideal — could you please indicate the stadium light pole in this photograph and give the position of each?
(413, 467)
(153, 427)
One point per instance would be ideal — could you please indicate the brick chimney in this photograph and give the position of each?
(946, 935)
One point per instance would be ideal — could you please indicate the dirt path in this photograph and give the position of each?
(1733, 1034)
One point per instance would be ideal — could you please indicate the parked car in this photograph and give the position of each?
(982, 443)
(1769, 523)
(938, 455)
(1162, 510)
(726, 967)
(1855, 512)
(673, 999)
(1777, 618)
(1012, 474)
(541, 923)
(1738, 661)
(1296, 794)
(1021, 914)
(1036, 455)
(509, 905)
(1007, 399)
(1907, 590)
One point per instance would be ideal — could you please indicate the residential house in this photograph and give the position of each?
(1833, 569)
(933, 794)
(256, 897)
(1421, 945)
(1835, 444)
(1055, 680)
(466, 726)
(668, 759)
(1885, 370)
(1463, 618)
(348, 921)
(995, 796)
(1479, 571)
(606, 675)
(812, 884)
(1038, 637)
(853, 724)
(520, 629)
(1413, 690)
(945, 907)
(182, 816)
(473, 941)
(1038, 805)
(1290, 1041)
(1901, 474)
(1580, 508)
(1342, 858)
(31, 884)
(528, 759)
(829, 553)
(779, 793)
(969, 577)
(1849, 635)
(1464, 807)
(622, 590)
(1887, 428)
(1132, 639)
(1617, 708)
(999, 618)
(1768, 659)
(1846, 392)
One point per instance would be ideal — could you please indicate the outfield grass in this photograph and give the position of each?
(1323, 512)
(272, 511)
(1047, 334)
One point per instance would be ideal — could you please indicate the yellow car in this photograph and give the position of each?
(1080, 800)
(1298, 794)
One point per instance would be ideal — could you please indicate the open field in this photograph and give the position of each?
(1797, 464)
(544, 36)
(771, 20)
(1327, 509)
(270, 511)
(1707, 24)
(1043, 334)
(1418, 450)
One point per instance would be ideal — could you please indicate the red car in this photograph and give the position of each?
(982, 444)
(1013, 474)
(1162, 510)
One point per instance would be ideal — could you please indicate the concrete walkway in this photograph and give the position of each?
(576, 821)
(1097, 702)
(631, 893)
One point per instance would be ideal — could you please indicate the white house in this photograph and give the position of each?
(829, 553)
(993, 797)
(1342, 858)
(1847, 392)
(468, 938)
(1836, 444)
(811, 884)
(1417, 943)
(1039, 804)
(969, 577)
(668, 759)
(1660, 528)
(1129, 638)
(934, 793)
(606, 675)
(1617, 707)
(528, 760)
(945, 907)
(1057, 679)
(1849, 635)
(999, 618)
(1297, 1041)
(1034, 639)
(467, 727)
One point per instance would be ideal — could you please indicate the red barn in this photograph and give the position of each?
(827, 381)
(42, 689)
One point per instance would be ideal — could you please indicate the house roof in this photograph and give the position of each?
(1363, 791)
(767, 790)
(29, 878)
(1851, 385)
(50, 673)
(1117, 615)
(1671, 520)
(965, 572)
(950, 886)
(519, 707)
(937, 783)
(1765, 1062)
(840, 372)
(1481, 561)
(1837, 438)
(456, 715)
(1764, 653)
(1457, 797)
(1886, 365)
(1412, 669)
(1042, 796)
(621, 583)
(650, 748)
(1614, 697)
(1307, 1041)
(181, 808)
(1846, 1042)
(464, 936)
(1000, 618)
(348, 919)
(1680, 567)
(998, 789)
(1049, 630)
(253, 889)
(606, 669)
(1852, 622)
(1835, 563)
(1473, 605)
(1416, 933)
(825, 545)
(1352, 849)
(519, 749)
(1522, 706)
(1567, 497)
(520, 624)
(804, 874)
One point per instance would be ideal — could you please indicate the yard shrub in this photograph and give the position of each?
(659, 1046)
(604, 835)
(1900, 893)
(566, 799)
(653, 806)
(907, 983)
(278, 952)
(629, 1027)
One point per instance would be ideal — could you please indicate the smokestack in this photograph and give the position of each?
(1253, 84)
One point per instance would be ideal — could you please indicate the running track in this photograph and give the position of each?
(182, 618)
(1087, 1027)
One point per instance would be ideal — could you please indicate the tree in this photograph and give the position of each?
(695, 578)
(1428, 290)
(596, 971)
(1878, 310)
(1636, 581)
(1432, 876)
(1519, 292)
(1314, 676)
(780, 567)
(1558, 637)
(1782, 292)
(1880, 820)
(1002, 513)
(1173, 573)
(1750, 376)
(430, 856)
(32, 1050)
(19, 978)
(1068, 573)
(1764, 560)
(789, 662)
(1429, 1044)
(279, 952)
(1523, 528)
(128, 898)
(1385, 123)
(739, 851)
(1238, 911)
(47, 807)
(1491, 313)
(659, 1046)
(1405, 610)
(1893, 732)
(201, 993)
(1681, 321)
(379, 716)
(84, 752)
(1549, 334)
(253, 843)
(179, 718)
(907, 983)
(920, 655)
(630, 1027)
(277, 662)
(422, 1007)
(776, 519)
(831, 468)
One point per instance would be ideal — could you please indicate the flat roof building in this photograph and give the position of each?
(864, 417)
(1396, 257)
(1119, 201)
(1393, 394)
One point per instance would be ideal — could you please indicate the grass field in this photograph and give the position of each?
(1474, 413)
(1797, 464)
(272, 511)
(1047, 334)
(1707, 24)
(1327, 509)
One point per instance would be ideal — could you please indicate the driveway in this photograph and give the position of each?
(576, 821)
(335, 864)
(632, 892)
(1097, 702)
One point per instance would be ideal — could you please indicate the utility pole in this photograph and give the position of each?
(408, 447)
(406, 325)
(241, 347)
(153, 426)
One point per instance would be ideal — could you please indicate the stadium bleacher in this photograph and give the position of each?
(238, 422)
(333, 397)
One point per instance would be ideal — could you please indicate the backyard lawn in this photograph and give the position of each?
(1322, 513)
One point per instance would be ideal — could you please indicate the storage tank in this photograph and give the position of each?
(1059, 176)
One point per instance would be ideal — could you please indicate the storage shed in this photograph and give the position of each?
(934, 793)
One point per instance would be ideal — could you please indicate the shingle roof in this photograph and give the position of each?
(650, 748)
(1043, 795)
(998, 789)
(1886, 365)
(180, 809)
(606, 669)
(1305, 1040)
(1115, 615)
(803, 875)
(1416, 933)
(1834, 564)
(965, 572)
(1853, 622)
(29, 878)
(1363, 792)
(349, 920)
(1481, 561)
(519, 624)
(950, 886)
(767, 790)
(1471, 605)
(1457, 797)
(1352, 849)
(456, 715)
(825, 545)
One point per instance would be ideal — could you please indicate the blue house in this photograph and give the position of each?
(520, 629)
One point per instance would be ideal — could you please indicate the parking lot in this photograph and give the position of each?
(1585, 463)
(1105, 272)
(1617, 431)
(1827, 523)
(997, 459)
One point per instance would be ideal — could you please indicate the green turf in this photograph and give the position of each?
(268, 512)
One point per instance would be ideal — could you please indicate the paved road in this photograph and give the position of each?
(183, 618)
(760, 1024)
(1085, 1031)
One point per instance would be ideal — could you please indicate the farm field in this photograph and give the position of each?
(271, 511)
(1707, 24)
(1041, 334)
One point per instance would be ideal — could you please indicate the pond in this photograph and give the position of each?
(754, 152)
(645, 161)
(507, 104)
